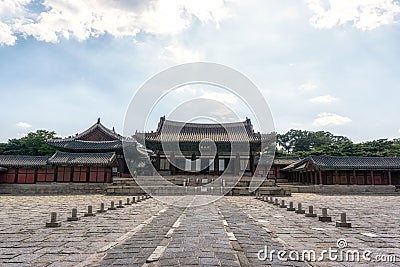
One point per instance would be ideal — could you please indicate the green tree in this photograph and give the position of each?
(32, 144)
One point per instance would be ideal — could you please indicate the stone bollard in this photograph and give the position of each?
(89, 212)
(300, 209)
(128, 202)
(282, 205)
(276, 203)
(74, 216)
(112, 207)
(270, 201)
(53, 221)
(291, 208)
(311, 212)
(120, 206)
(133, 200)
(101, 210)
(343, 222)
(324, 217)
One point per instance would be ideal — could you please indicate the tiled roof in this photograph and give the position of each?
(275, 161)
(21, 161)
(102, 128)
(78, 145)
(285, 161)
(86, 159)
(348, 163)
(172, 131)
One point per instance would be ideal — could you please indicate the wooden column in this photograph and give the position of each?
(172, 163)
(320, 177)
(157, 162)
(193, 163)
(354, 177)
(252, 164)
(237, 165)
(216, 164)
(336, 177)
(390, 177)
(372, 178)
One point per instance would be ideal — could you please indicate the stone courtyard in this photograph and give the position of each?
(232, 231)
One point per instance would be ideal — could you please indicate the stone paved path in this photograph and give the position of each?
(228, 232)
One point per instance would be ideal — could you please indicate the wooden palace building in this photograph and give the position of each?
(183, 144)
(345, 170)
(96, 156)
(93, 156)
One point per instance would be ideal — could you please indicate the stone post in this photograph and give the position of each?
(89, 212)
(53, 221)
(74, 215)
(300, 209)
(324, 217)
(101, 210)
(112, 207)
(311, 212)
(343, 222)
(291, 208)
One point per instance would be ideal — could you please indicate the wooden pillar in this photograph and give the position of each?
(157, 162)
(320, 177)
(172, 163)
(216, 164)
(347, 177)
(372, 178)
(237, 165)
(336, 177)
(193, 163)
(390, 177)
(252, 169)
(354, 177)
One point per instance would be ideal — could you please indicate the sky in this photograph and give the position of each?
(329, 65)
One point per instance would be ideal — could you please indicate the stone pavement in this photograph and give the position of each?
(228, 232)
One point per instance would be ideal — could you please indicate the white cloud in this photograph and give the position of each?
(363, 14)
(326, 119)
(6, 35)
(176, 53)
(308, 86)
(24, 125)
(221, 97)
(93, 18)
(323, 99)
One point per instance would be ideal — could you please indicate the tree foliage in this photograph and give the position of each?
(303, 143)
(32, 144)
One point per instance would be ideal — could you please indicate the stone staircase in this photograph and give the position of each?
(192, 185)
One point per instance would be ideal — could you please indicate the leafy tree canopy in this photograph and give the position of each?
(32, 144)
(303, 143)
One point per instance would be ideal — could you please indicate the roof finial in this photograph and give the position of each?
(98, 120)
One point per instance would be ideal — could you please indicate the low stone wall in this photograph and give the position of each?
(341, 189)
(53, 189)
